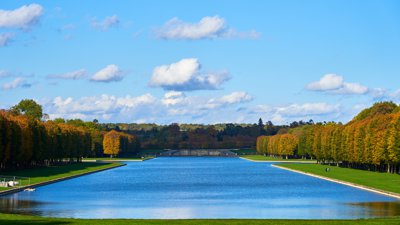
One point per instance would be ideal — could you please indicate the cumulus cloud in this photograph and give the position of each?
(74, 75)
(173, 106)
(209, 27)
(292, 112)
(172, 98)
(108, 74)
(23, 17)
(233, 98)
(335, 84)
(111, 21)
(5, 39)
(186, 75)
(104, 106)
(307, 109)
(16, 83)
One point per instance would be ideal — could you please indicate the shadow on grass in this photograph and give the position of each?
(51, 170)
(36, 221)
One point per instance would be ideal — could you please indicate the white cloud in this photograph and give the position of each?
(131, 102)
(307, 109)
(334, 84)
(23, 17)
(326, 83)
(172, 107)
(16, 83)
(108, 74)
(74, 75)
(111, 21)
(294, 112)
(351, 88)
(5, 39)
(185, 75)
(207, 28)
(104, 106)
(173, 98)
(233, 98)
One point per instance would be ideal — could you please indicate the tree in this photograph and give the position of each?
(29, 108)
(112, 143)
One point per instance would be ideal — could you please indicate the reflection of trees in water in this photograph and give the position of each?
(380, 209)
(15, 205)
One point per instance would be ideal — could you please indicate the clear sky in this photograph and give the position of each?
(200, 61)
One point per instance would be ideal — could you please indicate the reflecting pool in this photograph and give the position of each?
(199, 187)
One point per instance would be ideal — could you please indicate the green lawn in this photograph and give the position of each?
(382, 181)
(42, 174)
(8, 219)
(268, 158)
(245, 151)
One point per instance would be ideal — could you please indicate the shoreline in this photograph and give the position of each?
(19, 189)
(278, 161)
(362, 187)
(117, 160)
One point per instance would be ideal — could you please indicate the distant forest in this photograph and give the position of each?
(198, 136)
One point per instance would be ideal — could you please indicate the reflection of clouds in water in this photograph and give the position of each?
(198, 187)
(173, 213)
(139, 213)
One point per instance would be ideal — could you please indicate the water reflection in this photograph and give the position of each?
(180, 188)
(14, 205)
(379, 209)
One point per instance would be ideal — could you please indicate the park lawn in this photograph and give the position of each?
(12, 219)
(42, 174)
(245, 151)
(268, 158)
(383, 181)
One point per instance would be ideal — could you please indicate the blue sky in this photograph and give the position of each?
(200, 61)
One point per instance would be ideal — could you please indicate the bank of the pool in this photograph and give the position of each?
(267, 160)
(351, 184)
(93, 167)
(13, 219)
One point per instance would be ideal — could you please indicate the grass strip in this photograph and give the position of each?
(44, 174)
(268, 158)
(382, 181)
(12, 219)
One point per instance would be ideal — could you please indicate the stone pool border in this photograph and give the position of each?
(279, 161)
(378, 191)
(15, 190)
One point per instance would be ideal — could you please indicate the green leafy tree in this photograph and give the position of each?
(29, 108)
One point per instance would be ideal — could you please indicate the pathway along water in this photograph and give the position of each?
(200, 187)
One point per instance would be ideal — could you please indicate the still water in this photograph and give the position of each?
(199, 187)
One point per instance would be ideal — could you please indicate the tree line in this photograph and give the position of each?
(200, 136)
(370, 141)
(27, 141)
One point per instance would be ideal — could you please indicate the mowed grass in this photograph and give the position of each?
(382, 181)
(11, 219)
(38, 175)
(268, 158)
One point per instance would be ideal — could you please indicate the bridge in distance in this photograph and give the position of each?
(199, 152)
